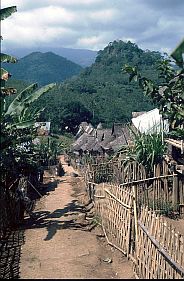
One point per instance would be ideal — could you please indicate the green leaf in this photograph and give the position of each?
(25, 124)
(7, 58)
(177, 54)
(25, 98)
(6, 12)
(30, 99)
(128, 69)
(20, 98)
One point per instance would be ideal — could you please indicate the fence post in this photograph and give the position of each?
(134, 188)
(175, 192)
(181, 196)
(89, 190)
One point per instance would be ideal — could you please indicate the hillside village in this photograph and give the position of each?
(92, 158)
(104, 142)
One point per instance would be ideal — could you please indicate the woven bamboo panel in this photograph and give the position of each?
(160, 249)
(115, 209)
(162, 192)
(99, 199)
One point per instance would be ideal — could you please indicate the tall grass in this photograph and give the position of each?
(148, 150)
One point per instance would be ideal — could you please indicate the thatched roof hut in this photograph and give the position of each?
(101, 141)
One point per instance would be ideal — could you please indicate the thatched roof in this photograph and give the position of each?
(99, 126)
(100, 140)
(91, 141)
(84, 127)
(118, 143)
(80, 142)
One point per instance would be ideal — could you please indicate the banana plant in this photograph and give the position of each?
(17, 116)
(26, 98)
(4, 58)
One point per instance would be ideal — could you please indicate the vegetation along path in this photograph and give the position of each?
(62, 243)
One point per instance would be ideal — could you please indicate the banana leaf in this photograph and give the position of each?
(25, 124)
(30, 99)
(33, 97)
(20, 98)
(7, 58)
(23, 100)
(177, 54)
(6, 12)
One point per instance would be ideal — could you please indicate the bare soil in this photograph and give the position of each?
(64, 242)
(178, 224)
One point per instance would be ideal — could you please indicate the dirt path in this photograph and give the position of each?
(59, 245)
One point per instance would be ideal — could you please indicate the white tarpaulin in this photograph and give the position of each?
(150, 122)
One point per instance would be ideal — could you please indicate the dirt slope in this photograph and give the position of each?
(59, 244)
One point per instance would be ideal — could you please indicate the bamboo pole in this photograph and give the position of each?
(135, 215)
(122, 203)
(175, 192)
(148, 179)
(35, 189)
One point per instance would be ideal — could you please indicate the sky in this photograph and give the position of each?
(91, 24)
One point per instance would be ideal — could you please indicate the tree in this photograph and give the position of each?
(168, 95)
(73, 114)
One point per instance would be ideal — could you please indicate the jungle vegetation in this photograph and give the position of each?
(101, 92)
(18, 119)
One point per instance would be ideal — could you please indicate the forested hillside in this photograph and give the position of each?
(43, 68)
(101, 93)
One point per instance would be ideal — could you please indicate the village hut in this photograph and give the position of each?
(100, 141)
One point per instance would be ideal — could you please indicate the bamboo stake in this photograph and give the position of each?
(135, 215)
(35, 189)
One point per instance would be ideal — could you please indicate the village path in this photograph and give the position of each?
(57, 246)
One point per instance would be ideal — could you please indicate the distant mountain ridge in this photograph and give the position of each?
(43, 68)
(83, 57)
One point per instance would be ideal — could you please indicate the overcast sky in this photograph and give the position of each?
(91, 24)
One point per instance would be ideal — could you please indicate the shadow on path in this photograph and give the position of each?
(52, 220)
(13, 238)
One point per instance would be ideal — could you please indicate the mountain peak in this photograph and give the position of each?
(83, 57)
(43, 68)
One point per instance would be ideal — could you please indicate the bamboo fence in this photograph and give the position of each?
(155, 248)
(114, 206)
(160, 249)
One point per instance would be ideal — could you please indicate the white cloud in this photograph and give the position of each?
(105, 15)
(94, 23)
(88, 42)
